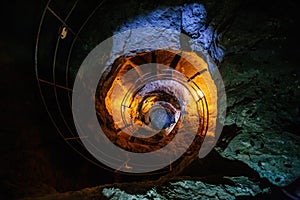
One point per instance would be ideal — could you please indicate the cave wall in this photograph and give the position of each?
(260, 70)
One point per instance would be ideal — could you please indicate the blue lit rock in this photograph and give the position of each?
(194, 19)
(189, 19)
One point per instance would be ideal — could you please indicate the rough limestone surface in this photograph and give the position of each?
(230, 189)
(261, 107)
(190, 190)
(263, 92)
(189, 19)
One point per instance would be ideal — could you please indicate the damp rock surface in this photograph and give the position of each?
(262, 88)
(264, 109)
(231, 188)
(190, 189)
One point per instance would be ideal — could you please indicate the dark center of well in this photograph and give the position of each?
(161, 118)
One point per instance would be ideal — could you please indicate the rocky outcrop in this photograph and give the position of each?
(225, 188)
(262, 87)
(190, 19)
(264, 110)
